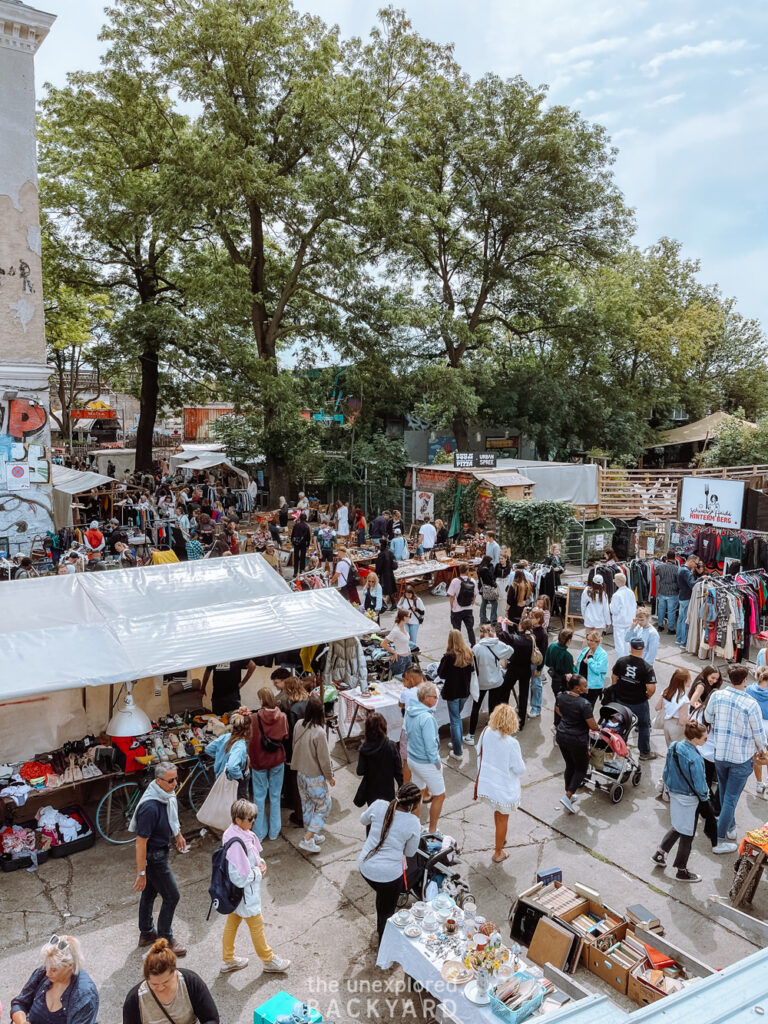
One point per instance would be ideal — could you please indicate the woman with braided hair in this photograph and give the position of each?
(394, 835)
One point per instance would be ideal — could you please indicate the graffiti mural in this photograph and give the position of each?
(25, 473)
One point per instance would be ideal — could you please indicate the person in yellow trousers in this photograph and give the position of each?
(245, 871)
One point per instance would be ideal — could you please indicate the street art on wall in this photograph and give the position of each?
(25, 473)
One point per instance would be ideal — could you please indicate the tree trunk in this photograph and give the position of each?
(279, 481)
(461, 433)
(150, 385)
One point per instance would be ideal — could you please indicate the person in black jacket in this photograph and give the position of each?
(378, 763)
(486, 577)
(519, 664)
(300, 537)
(386, 563)
(168, 991)
(455, 669)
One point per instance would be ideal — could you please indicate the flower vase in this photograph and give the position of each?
(478, 991)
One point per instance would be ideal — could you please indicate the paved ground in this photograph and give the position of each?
(319, 912)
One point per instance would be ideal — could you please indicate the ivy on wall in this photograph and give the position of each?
(529, 527)
(445, 501)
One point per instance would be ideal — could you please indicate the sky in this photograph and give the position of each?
(681, 86)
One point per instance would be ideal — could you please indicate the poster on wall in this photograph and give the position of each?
(425, 505)
(711, 501)
(17, 476)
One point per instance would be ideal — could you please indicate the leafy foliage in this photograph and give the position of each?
(376, 466)
(445, 502)
(529, 527)
(738, 443)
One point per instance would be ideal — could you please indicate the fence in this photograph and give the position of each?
(652, 493)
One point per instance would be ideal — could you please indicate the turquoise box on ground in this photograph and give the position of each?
(279, 1005)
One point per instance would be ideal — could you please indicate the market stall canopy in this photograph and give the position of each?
(192, 451)
(503, 478)
(555, 481)
(698, 431)
(90, 629)
(208, 460)
(67, 482)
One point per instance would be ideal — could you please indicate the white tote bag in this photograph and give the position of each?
(216, 811)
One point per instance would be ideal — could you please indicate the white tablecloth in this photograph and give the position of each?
(386, 703)
(412, 956)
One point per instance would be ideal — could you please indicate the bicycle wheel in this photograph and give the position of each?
(115, 811)
(200, 786)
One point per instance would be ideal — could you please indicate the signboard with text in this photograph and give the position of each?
(92, 414)
(711, 501)
(474, 460)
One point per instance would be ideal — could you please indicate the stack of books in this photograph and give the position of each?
(592, 924)
(644, 918)
(627, 953)
(558, 899)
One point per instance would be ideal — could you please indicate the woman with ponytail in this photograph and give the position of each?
(394, 835)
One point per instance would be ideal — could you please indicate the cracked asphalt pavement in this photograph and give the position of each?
(320, 913)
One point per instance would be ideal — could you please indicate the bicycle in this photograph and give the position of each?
(118, 805)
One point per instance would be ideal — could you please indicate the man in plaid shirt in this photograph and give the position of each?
(737, 730)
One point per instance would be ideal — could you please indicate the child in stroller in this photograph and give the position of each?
(611, 764)
(431, 871)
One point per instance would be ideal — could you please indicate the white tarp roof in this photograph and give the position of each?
(555, 481)
(73, 481)
(206, 460)
(89, 629)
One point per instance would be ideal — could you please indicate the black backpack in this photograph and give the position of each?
(466, 594)
(269, 745)
(353, 576)
(225, 895)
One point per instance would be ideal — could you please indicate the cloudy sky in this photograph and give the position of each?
(682, 86)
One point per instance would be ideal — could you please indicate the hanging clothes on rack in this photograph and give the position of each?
(724, 614)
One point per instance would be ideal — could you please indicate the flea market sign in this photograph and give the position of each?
(711, 501)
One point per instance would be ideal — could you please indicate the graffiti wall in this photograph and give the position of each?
(25, 471)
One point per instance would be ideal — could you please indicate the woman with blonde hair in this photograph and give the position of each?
(518, 596)
(455, 669)
(58, 991)
(373, 597)
(500, 768)
(230, 751)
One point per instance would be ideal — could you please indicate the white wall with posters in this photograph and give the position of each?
(711, 501)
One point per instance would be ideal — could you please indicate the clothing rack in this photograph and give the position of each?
(725, 612)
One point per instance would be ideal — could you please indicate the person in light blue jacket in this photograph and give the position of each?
(230, 752)
(647, 632)
(424, 748)
(592, 663)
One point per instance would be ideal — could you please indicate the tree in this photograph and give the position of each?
(280, 163)
(738, 443)
(375, 466)
(106, 185)
(498, 197)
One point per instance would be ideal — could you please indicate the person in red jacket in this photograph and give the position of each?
(94, 539)
(269, 730)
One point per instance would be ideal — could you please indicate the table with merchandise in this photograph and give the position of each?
(384, 698)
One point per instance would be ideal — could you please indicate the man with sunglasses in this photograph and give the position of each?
(156, 820)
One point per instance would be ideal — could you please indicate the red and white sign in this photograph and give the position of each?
(17, 476)
(92, 414)
(425, 505)
(712, 501)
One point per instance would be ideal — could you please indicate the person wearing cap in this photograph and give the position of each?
(71, 561)
(271, 556)
(94, 538)
(623, 612)
(595, 609)
(634, 683)
(117, 535)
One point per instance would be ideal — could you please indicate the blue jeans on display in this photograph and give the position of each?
(267, 785)
(413, 631)
(484, 606)
(399, 665)
(667, 610)
(454, 715)
(160, 882)
(643, 725)
(681, 633)
(731, 780)
(535, 690)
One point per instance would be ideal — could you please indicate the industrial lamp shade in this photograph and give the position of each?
(128, 720)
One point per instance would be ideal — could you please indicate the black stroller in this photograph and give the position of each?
(609, 769)
(434, 861)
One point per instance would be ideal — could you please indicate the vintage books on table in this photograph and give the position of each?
(613, 956)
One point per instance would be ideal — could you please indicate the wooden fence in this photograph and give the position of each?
(652, 493)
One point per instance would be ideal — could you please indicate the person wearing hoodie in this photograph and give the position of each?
(245, 868)
(269, 730)
(559, 661)
(489, 653)
(378, 763)
(759, 691)
(311, 761)
(424, 749)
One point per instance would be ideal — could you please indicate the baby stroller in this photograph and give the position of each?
(434, 862)
(611, 764)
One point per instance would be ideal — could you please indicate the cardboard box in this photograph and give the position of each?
(591, 907)
(605, 966)
(280, 1004)
(641, 991)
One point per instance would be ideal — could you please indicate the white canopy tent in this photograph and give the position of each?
(67, 482)
(206, 460)
(91, 629)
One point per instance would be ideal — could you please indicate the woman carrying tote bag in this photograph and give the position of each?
(230, 764)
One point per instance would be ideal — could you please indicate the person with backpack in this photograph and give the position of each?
(244, 868)
(455, 669)
(347, 577)
(413, 604)
(489, 653)
(266, 752)
(462, 594)
(325, 539)
(524, 654)
(378, 763)
(386, 563)
(300, 535)
(397, 643)
(685, 781)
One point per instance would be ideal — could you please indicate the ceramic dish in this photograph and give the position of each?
(443, 902)
(454, 972)
(430, 922)
(419, 910)
(402, 918)
(413, 931)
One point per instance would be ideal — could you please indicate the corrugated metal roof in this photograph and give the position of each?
(502, 478)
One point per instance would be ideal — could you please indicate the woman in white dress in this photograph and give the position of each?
(501, 767)
(342, 519)
(594, 605)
